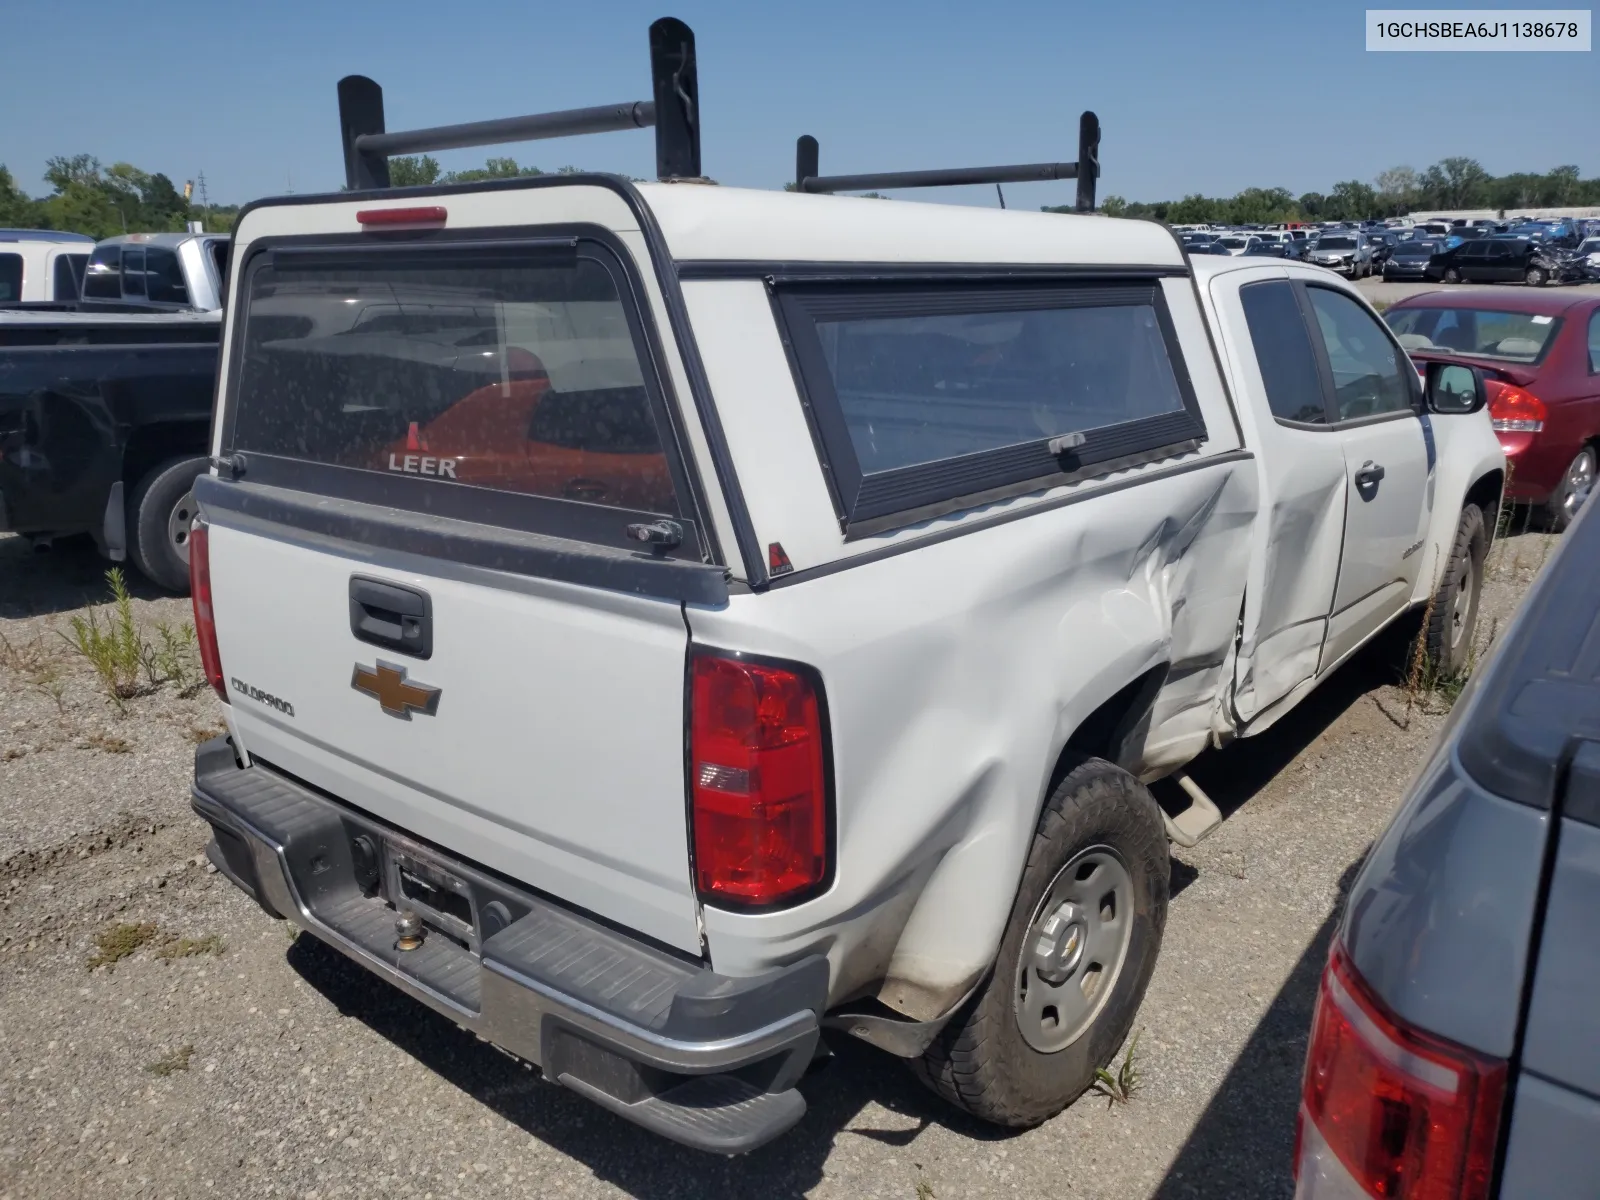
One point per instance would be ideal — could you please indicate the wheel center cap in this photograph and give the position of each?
(1058, 945)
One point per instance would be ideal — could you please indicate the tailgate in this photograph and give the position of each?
(427, 598)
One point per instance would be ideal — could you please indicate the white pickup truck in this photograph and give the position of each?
(657, 622)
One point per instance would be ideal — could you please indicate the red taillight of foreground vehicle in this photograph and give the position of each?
(758, 774)
(1388, 1111)
(1512, 410)
(205, 622)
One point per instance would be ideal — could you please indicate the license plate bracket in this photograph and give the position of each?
(440, 897)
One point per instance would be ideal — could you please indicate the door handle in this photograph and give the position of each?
(1368, 476)
(394, 617)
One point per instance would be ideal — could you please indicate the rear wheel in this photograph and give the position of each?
(1074, 960)
(1453, 614)
(1573, 491)
(1534, 277)
(159, 517)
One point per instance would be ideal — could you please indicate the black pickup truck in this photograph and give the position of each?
(104, 424)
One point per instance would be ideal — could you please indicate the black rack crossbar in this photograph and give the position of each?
(1086, 170)
(952, 177)
(604, 118)
(674, 113)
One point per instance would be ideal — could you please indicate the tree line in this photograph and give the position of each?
(102, 201)
(1450, 184)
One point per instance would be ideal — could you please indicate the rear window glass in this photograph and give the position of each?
(517, 376)
(1518, 337)
(103, 278)
(10, 277)
(133, 269)
(164, 276)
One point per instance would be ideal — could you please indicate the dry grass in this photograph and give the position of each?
(109, 742)
(121, 940)
(178, 1060)
(176, 948)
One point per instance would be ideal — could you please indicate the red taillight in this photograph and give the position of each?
(759, 780)
(205, 622)
(431, 215)
(1395, 1112)
(1512, 410)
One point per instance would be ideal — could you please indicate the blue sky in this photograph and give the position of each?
(1208, 98)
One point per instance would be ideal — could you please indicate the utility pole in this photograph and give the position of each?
(205, 201)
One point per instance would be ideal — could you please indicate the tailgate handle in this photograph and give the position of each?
(394, 617)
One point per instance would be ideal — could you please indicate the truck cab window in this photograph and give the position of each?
(133, 272)
(10, 278)
(68, 271)
(103, 278)
(164, 276)
(1371, 376)
(1283, 348)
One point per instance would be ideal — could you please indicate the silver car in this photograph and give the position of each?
(1347, 253)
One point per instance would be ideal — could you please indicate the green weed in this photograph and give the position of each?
(116, 650)
(1119, 1088)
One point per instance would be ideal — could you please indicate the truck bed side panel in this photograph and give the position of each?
(1006, 638)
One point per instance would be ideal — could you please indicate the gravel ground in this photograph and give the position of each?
(220, 1056)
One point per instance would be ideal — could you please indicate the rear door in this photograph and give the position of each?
(1472, 260)
(427, 597)
(1387, 462)
(1500, 263)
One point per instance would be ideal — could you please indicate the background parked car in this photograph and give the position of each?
(1587, 258)
(1540, 353)
(1410, 259)
(1347, 253)
(1268, 249)
(1497, 260)
(41, 265)
(1455, 1049)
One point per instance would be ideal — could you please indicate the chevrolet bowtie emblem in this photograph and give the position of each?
(389, 687)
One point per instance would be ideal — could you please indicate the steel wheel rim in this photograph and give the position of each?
(179, 521)
(1580, 482)
(1074, 950)
(1461, 610)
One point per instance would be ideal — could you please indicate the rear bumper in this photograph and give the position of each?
(703, 1059)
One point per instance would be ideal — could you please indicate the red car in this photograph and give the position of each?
(1540, 353)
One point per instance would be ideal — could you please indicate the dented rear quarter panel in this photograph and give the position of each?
(955, 673)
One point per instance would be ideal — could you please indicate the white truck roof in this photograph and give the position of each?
(711, 222)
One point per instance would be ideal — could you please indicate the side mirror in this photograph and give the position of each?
(1454, 389)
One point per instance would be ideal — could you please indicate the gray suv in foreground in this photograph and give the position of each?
(1455, 1050)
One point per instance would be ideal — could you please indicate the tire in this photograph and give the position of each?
(1534, 277)
(1573, 490)
(1099, 819)
(159, 515)
(1451, 275)
(1453, 613)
